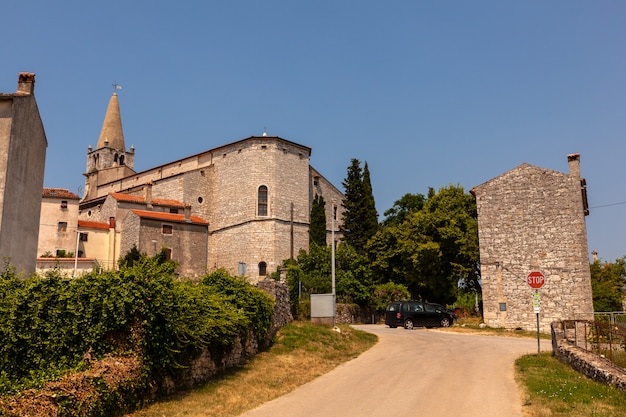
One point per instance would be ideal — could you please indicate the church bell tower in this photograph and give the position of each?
(109, 161)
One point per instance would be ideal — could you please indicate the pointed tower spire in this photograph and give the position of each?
(112, 134)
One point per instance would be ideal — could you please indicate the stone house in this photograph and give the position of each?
(23, 146)
(533, 219)
(57, 223)
(243, 206)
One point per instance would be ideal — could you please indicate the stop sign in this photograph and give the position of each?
(535, 279)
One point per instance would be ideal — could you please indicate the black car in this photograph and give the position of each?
(417, 314)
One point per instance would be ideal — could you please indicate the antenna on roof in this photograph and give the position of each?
(116, 87)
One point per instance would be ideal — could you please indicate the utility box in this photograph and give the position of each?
(323, 309)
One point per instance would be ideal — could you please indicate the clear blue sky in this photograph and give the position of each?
(429, 93)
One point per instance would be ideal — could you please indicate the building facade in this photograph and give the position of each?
(532, 219)
(243, 206)
(23, 146)
(58, 223)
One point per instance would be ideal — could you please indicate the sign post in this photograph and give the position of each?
(535, 280)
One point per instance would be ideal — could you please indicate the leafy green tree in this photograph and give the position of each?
(317, 227)
(433, 249)
(388, 292)
(360, 220)
(408, 204)
(607, 283)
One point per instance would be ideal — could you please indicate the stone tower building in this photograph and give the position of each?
(253, 198)
(533, 219)
(109, 161)
(23, 146)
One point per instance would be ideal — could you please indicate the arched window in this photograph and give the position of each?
(262, 201)
(262, 269)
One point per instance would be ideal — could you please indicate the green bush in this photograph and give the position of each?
(48, 324)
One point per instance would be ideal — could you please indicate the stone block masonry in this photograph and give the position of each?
(533, 219)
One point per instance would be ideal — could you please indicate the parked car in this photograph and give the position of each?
(417, 314)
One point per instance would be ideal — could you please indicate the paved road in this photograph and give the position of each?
(415, 372)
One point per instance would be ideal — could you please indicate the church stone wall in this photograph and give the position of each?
(238, 234)
(533, 219)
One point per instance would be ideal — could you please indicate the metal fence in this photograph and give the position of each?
(617, 318)
(603, 337)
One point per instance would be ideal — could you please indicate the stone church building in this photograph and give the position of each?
(533, 219)
(243, 206)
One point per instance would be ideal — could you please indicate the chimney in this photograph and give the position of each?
(188, 213)
(574, 164)
(26, 83)
(148, 189)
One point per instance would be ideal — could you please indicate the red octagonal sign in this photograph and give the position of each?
(535, 279)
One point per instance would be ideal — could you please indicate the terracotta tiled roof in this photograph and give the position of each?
(169, 217)
(142, 200)
(92, 225)
(59, 193)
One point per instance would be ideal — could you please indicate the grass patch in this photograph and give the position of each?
(552, 389)
(301, 353)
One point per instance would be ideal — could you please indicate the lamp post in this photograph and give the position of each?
(332, 256)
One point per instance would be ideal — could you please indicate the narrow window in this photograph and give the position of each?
(62, 227)
(262, 268)
(167, 229)
(168, 253)
(262, 210)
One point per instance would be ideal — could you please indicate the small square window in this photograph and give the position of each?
(64, 204)
(62, 227)
(167, 229)
(502, 306)
(83, 237)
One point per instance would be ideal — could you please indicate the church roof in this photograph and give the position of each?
(142, 200)
(112, 135)
(170, 217)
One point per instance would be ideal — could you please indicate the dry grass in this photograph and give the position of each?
(301, 353)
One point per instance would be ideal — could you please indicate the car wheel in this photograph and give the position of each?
(445, 322)
(408, 324)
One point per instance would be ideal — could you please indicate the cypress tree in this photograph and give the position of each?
(317, 226)
(360, 220)
(370, 215)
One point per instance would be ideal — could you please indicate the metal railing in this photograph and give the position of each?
(601, 337)
(617, 318)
